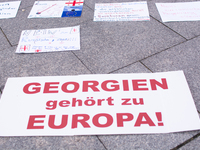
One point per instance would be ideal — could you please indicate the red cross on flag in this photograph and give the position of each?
(75, 2)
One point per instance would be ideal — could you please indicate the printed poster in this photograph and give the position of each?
(127, 11)
(186, 11)
(49, 40)
(51, 9)
(9, 9)
(143, 103)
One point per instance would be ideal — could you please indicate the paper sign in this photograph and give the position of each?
(49, 40)
(97, 104)
(187, 11)
(50, 9)
(9, 9)
(128, 11)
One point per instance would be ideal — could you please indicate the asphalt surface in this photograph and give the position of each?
(106, 48)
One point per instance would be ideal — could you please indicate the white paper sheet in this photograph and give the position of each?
(52, 9)
(186, 11)
(49, 40)
(9, 9)
(141, 103)
(128, 11)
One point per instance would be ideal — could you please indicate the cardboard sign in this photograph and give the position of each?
(49, 40)
(97, 104)
(9, 9)
(128, 11)
(186, 11)
(51, 9)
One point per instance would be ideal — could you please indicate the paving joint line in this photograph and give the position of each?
(169, 28)
(163, 50)
(6, 37)
(82, 62)
(27, 6)
(89, 7)
(187, 141)
(193, 37)
(122, 67)
(146, 66)
(147, 57)
(1, 88)
(130, 65)
(169, 48)
(15, 45)
(101, 142)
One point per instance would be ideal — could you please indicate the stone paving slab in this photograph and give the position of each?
(51, 143)
(3, 42)
(146, 142)
(9, 65)
(13, 27)
(182, 57)
(187, 29)
(106, 46)
(40, 64)
(194, 145)
(133, 68)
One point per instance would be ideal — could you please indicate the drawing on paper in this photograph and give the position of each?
(48, 40)
(50, 9)
(9, 9)
(129, 11)
(186, 11)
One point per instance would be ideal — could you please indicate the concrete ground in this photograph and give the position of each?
(106, 48)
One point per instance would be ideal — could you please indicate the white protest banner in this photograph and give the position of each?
(9, 9)
(49, 40)
(52, 9)
(97, 104)
(128, 11)
(186, 11)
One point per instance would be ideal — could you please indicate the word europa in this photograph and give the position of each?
(95, 86)
(142, 118)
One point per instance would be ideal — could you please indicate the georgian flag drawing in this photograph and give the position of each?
(54, 9)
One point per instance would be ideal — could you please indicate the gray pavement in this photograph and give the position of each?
(106, 47)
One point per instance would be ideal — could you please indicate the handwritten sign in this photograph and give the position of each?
(97, 104)
(9, 9)
(128, 11)
(51, 9)
(48, 40)
(186, 11)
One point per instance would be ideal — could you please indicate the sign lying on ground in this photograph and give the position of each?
(97, 104)
(186, 11)
(128, 11)
(49, 40)
(9, 9)
(50, 9)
